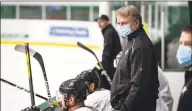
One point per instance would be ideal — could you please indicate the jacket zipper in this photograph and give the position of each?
(133, 45)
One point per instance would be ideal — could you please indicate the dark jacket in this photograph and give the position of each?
(185, 101)
(112, 47)
(135, 83)
(188, 75)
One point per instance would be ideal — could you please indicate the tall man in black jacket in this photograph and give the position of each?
(135, 83)
(112, 45)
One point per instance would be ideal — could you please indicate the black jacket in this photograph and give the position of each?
(135, 83)
(112, 47)
(185, 101)
(188, 75)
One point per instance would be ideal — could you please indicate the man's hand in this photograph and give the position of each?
(116, 61)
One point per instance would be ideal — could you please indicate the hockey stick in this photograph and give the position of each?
(26, 90)
(39, 58)
(100, 65)
(29, 74)
(89, 50)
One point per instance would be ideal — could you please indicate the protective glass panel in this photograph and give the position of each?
(80, 13)
(8, 11)
(95, 12)
(30, 12)
(117, 5)
(56, 12)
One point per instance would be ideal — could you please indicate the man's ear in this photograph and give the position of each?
(136, 25)
(137, 22)
(71, 100)
(92, 87)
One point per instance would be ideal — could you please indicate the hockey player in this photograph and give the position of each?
(72, 95)
(98, 97)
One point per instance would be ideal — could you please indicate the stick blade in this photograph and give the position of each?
(21, 48)
(84, 47)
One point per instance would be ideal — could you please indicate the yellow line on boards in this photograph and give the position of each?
(7, 42)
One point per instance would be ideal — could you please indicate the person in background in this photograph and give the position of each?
(72, 94)
(165, 100)
(112, 45)
(135, 83)
(184, 53)
(184, 57)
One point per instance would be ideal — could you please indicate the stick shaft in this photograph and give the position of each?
(22, 88)
(39, 58)
(99, 63)
(29, 74)
(26, 90)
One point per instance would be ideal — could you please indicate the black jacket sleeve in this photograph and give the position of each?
(139, 79)
(108, 47)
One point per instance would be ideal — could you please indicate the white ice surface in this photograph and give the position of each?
(61, 64)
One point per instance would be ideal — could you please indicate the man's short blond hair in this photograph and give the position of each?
(130, 12)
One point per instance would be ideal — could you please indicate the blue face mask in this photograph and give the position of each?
(184, 55)
(124, 30)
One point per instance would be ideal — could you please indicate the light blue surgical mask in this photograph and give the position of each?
(184, 55)
(124, 30)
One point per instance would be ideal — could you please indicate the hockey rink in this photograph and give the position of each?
(61, 63)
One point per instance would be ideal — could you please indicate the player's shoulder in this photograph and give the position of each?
(100, 94)
(102, 91)
(86, 109)
(105, 91)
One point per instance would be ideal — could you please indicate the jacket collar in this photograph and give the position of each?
(109, 25)
(135, 33)
(189, 68)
